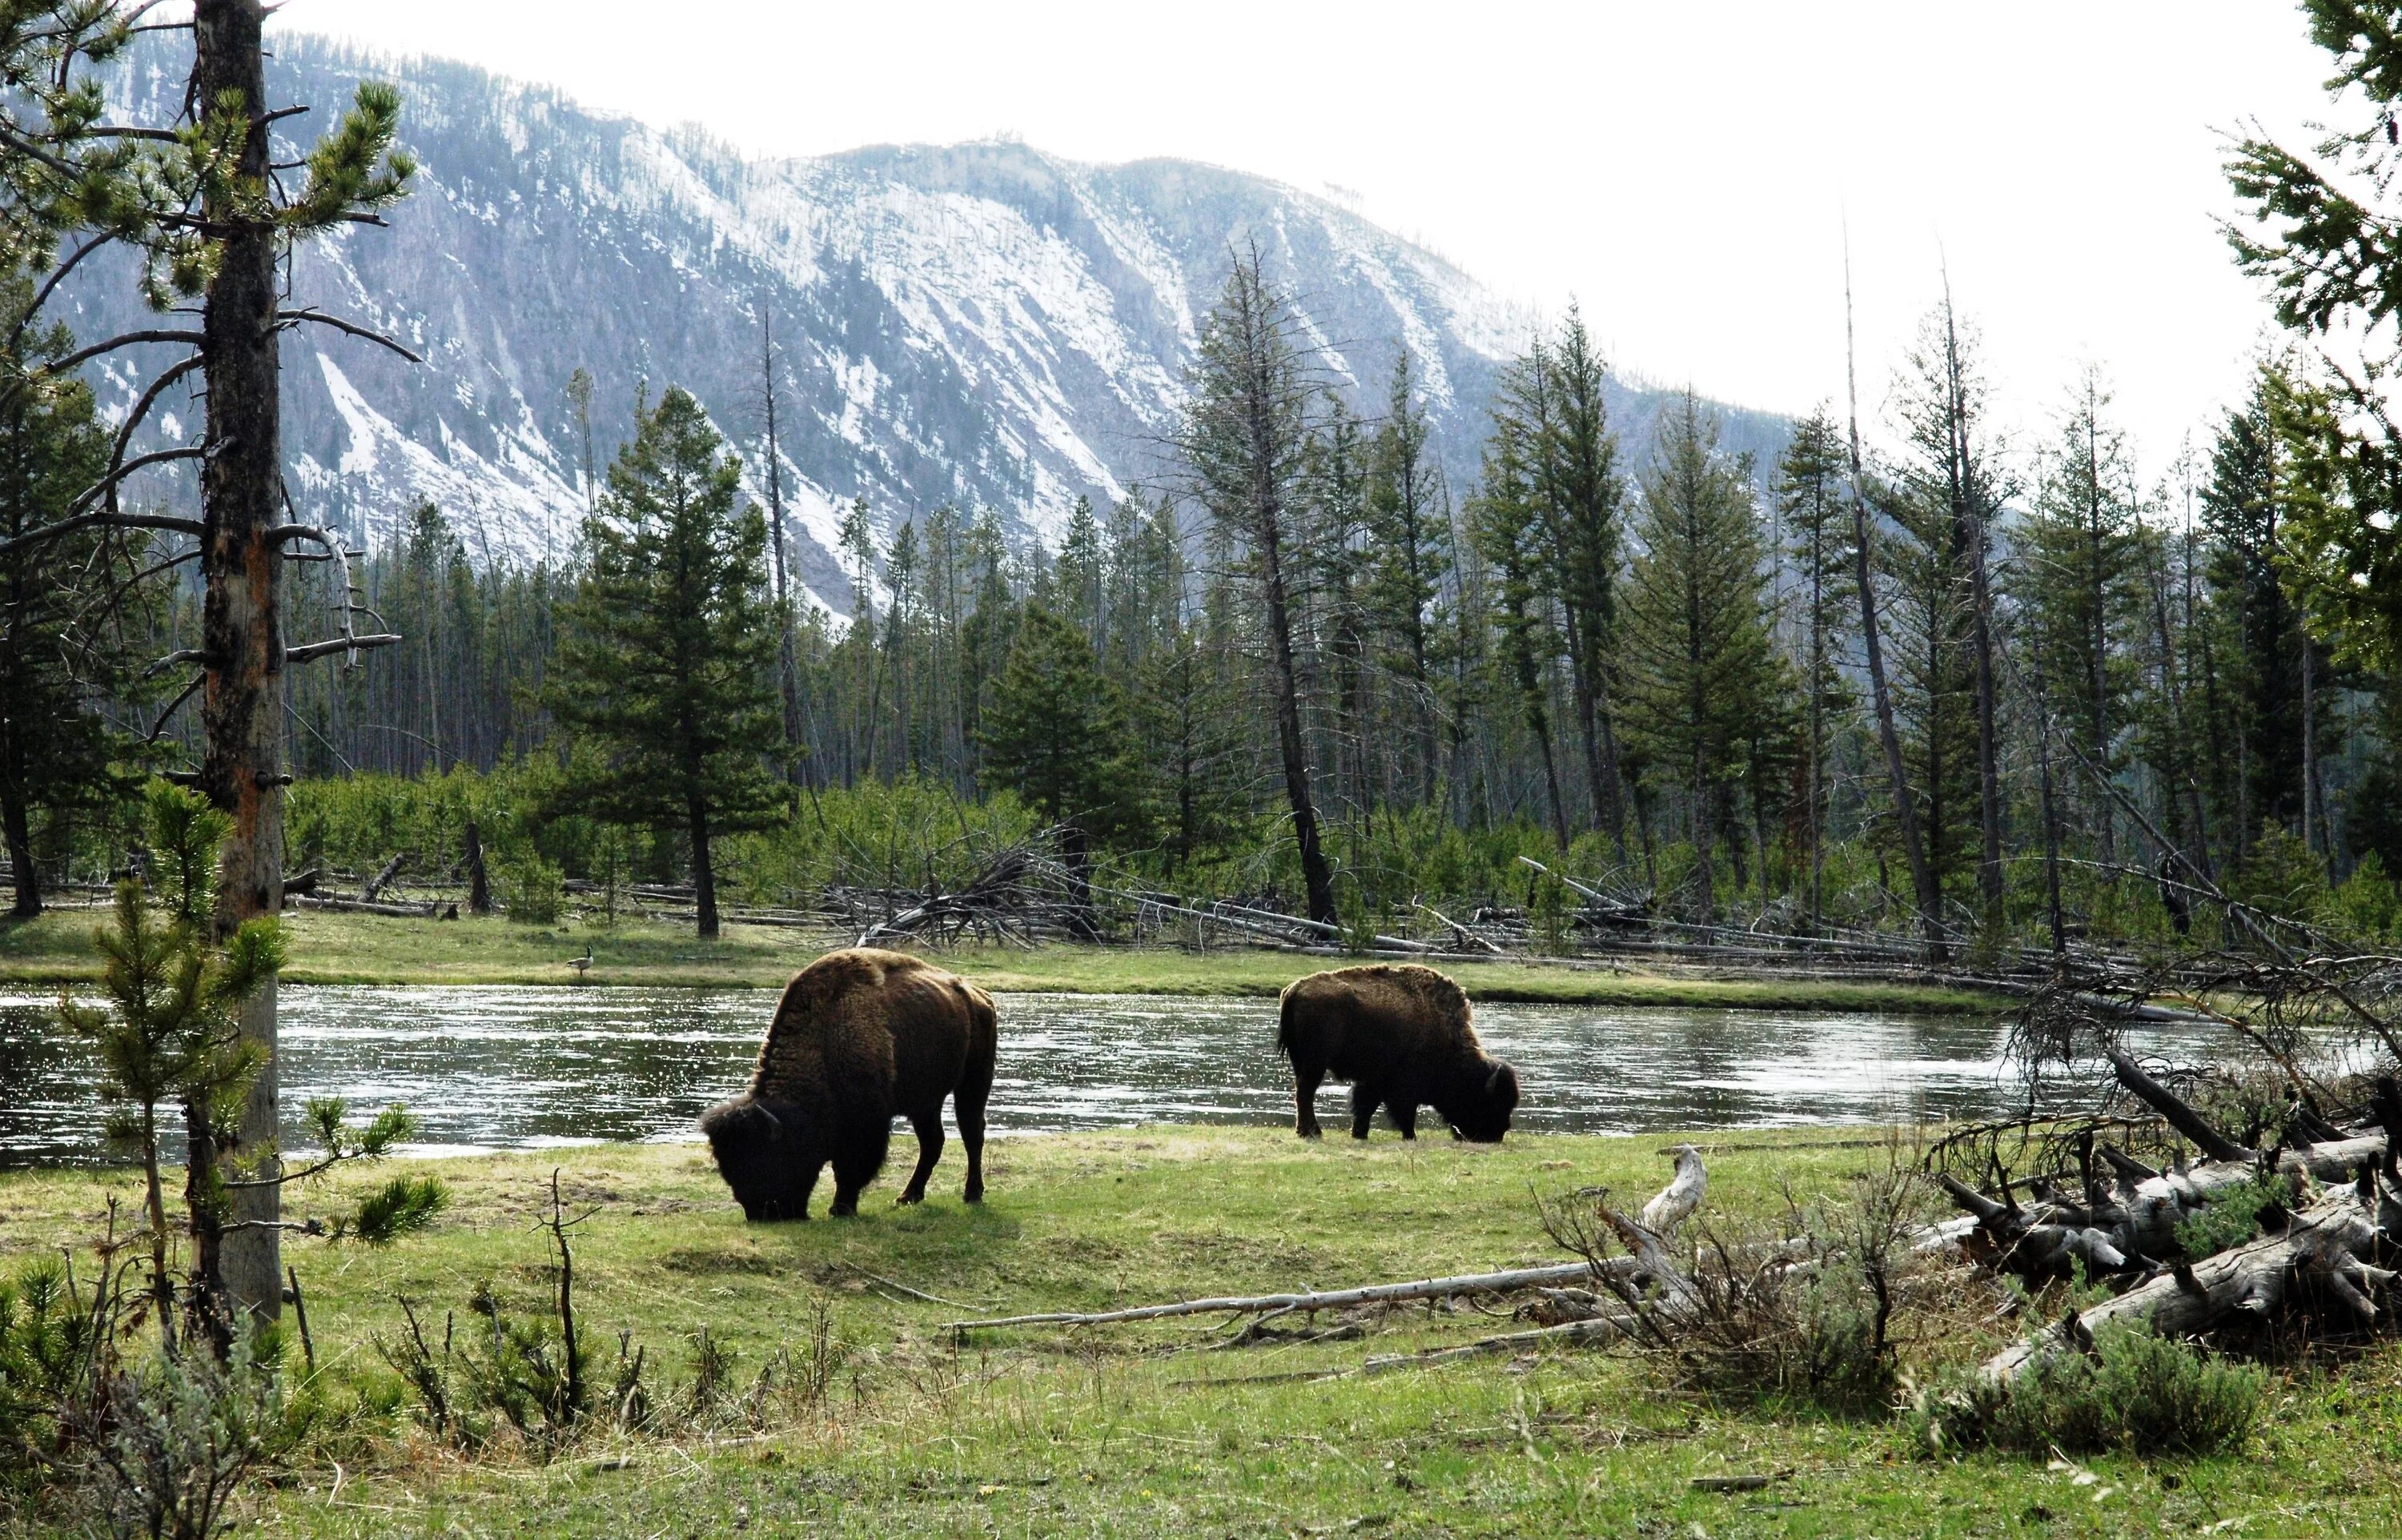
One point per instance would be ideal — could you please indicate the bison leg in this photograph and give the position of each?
(1304, 1100)
(1405, 1118)
(856, 1165)
(1364, 1109)
(929, 1124)
(969, 1104)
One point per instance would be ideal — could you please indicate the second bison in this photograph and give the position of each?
(861, 1037)
(1400, 1033)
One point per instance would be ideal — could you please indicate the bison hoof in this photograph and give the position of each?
(972, 1195)
(907, 1198)
(1313, 1131)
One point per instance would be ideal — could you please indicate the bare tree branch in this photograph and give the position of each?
(354, 328)
(181, 696)
(115, 521)
(339, 644)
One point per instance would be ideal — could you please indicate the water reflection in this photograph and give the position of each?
(520, 1068)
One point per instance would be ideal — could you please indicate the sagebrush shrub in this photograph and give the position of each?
(2136, 1391)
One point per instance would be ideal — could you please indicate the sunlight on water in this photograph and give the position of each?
(525, 1068)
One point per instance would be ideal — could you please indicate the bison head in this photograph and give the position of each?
(1480, 1106)
(759, 1146)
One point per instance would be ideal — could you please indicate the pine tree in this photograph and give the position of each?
(667, 668)
(1245, 438)
(2081, 592)
(1810, 499)
(1950, 474)
(1056, 734)
(1511, 537)
(1700, 682)
(1582, 492)
(1408, 558)
(56, 757)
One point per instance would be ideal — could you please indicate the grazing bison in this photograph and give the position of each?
(861, 1037)
(1400, 1035)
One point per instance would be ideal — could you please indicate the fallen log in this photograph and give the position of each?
(2136, 1222)
(2315, 1258)
(356, 906)
(377, 884)
(1603, 1329)
(1339, 1299)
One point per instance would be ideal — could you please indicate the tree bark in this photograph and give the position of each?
(1905, 810)
(1267, 535)
(788, 669)
(17, 822)
(704, 869)
(479, 886)
(241, 711)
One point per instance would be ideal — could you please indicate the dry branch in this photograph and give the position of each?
(1340, 1298)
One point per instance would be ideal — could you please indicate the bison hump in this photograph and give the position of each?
(832, 1037)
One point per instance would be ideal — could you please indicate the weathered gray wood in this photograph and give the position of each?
(1424, 1288)
(2321, 1254)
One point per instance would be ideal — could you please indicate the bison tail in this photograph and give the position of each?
(1286, 1007)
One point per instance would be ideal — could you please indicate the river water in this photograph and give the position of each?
(521, 1068)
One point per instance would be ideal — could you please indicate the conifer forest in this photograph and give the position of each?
(561, 680)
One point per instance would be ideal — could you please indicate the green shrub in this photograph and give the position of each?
(2135, 1391)
(2232, 1217)
(534, 893)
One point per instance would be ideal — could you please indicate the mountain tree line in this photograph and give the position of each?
(1257, 674)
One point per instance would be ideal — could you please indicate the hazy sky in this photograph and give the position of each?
(1684, 171)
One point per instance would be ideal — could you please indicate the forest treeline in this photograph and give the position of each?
(1974, 688)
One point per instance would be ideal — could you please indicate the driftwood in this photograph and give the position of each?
(1603, 1328)
(2133, 1223)
(1341, 1298)
(2316, 1261)
(355, 906)
(377, 884)
(1617, 1273)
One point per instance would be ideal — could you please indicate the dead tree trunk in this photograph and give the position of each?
(17, 824)
(2318, 1257)
(1905, 810)
(241, 709)
(787, 669)
(479, 886)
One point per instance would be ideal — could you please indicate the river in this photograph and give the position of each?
(516, 1067)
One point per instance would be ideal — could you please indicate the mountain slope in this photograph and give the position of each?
(981, 323)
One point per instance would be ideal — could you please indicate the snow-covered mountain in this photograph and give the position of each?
(983, 323)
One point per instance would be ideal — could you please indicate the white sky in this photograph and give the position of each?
(1684, 170)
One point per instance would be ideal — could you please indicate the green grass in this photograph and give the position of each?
(376, 949)
(1136, 1432)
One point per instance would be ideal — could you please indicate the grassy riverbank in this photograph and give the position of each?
(1138, 1431)
(377, 949)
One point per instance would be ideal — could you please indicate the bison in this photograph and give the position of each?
(1400, 1035)
(860, 1037)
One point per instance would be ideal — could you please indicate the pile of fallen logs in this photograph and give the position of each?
(2332, 1215)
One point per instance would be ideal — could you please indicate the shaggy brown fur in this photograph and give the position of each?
(861, 1037)
(1400, 1033)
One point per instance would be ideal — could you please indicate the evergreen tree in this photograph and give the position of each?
(1245, 438)
(1810, 501)
(1700, 682)
(1056, 734)
(666, 666)
(1511, 537)
(1950, 474)
(1407, 559)
(1581, 493)
(2081, 591)
(57, 757)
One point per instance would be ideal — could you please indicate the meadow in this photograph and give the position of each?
(875, 1420)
